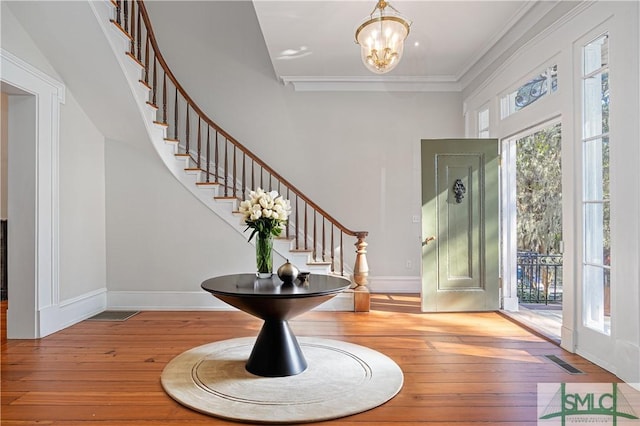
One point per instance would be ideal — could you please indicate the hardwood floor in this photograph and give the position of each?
(3, 321)
(461, 369)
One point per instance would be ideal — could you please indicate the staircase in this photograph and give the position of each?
(211, 164)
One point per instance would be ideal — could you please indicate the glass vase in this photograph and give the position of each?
(264, 256)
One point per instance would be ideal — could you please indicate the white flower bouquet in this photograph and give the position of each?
(265, 212)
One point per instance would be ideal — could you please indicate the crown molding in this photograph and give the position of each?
(373, 84)
(540, 21)
(518, 17)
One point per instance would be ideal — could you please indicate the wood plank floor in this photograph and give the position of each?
(460, 369)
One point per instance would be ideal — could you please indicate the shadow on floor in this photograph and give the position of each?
(407, 303)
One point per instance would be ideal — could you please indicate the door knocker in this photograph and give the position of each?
(459, 190)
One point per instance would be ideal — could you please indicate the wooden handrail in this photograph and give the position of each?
(227, 164)
(206, 119)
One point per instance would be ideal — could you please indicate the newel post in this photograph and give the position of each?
(361, 294)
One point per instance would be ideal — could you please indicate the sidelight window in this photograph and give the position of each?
(596, 264)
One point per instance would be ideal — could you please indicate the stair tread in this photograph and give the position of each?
(181, 154)
(145, 84)
(118, 26)
(207, 184)
(152, 105)
(136, 60)
(161, 123)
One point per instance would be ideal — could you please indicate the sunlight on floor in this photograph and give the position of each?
(500, 352)
(546, 322)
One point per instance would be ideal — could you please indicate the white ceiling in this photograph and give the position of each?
(313, 40)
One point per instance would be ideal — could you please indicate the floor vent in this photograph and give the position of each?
(564, 365)
(113, 316)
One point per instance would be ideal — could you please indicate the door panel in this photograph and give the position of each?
(460, 266)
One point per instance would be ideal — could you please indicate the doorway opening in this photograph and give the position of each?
(34, 101)
(532, 228)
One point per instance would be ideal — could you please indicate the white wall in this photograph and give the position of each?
(561, 45)
(16, 40)
(160, 237)
(82, 203)
(355, 154)
(4, 141)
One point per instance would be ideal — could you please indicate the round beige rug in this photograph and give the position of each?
(342, 379)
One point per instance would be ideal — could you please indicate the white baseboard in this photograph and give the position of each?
(568, 339)
(627, 361)
(196, 301)
(510, 304)
(395, 285)
(55, 318)
(72, 311)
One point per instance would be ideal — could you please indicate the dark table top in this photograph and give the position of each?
(248, 285)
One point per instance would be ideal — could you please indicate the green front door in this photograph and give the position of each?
(460, 225)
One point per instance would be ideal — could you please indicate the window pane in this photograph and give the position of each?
(596, 105)
(606, 234)
(531, 91)
(596, 312)
(596, 54)
(596, 169)
(553, 74)
(483, 123)
(483, 119)
(597, 234)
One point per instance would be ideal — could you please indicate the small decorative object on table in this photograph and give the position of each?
(302, 277)
(266, 213)
(288, 272)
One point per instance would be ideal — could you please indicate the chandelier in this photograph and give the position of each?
(381, 38)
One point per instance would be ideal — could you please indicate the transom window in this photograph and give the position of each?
(542, 85)
(483, 123)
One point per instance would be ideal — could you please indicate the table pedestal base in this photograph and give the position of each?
(276, 352)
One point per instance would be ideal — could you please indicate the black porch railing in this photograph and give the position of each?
(539, 277)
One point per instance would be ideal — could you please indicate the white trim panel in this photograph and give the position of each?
(72, 311)
(392, 285)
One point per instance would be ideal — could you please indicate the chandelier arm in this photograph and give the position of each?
(391, 6)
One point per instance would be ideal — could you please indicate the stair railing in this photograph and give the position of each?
(221, 159)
